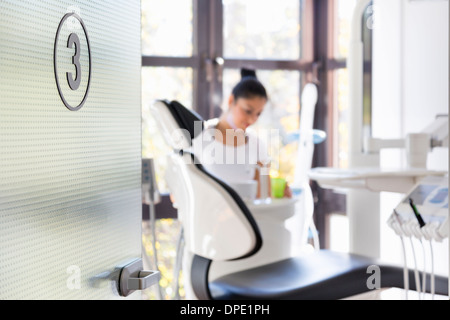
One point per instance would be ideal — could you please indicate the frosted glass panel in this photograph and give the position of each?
(70, 197)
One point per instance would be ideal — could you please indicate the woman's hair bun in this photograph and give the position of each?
(248, 73)
(249, 86)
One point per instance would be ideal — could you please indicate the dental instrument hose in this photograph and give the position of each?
(405, 263)
(432, 270)
(421, 224)
(424, 273)
(405, 269)
(416, 272)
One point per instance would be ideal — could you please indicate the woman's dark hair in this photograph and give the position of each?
(249, 86)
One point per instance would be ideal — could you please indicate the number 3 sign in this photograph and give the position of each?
(73, 79)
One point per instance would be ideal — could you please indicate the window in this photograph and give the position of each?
(236, 33)
(343, 20)
(343, 12)
(167, 71)
(341, 15)
(192, 51)
(262, 29)
(159, 83)
(272, 38)
(163, 20)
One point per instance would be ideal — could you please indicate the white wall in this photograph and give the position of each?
(410, 87)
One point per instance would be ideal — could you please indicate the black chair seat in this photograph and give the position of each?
(322, 275)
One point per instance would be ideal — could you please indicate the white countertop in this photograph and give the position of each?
(374, 179)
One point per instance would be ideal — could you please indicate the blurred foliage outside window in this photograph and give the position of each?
(167, 28)
(262, 29)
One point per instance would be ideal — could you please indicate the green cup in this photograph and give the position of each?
(278, 185)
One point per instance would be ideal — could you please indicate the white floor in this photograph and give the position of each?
(396, 294)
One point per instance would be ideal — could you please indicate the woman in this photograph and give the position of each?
(226, 149)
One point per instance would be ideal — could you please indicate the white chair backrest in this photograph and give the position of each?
(175, 136)
(217, 224)
(214, 225)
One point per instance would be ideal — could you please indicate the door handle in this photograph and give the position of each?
(133, 278)
(145, 280)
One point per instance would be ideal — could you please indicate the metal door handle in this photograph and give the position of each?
(132, 278)
(145, 280)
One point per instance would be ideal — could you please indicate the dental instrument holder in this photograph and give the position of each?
(417, 145)
(428, 217)
(422, 214)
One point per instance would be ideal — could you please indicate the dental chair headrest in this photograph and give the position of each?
(178, 124)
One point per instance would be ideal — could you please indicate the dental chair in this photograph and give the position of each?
(218, 226)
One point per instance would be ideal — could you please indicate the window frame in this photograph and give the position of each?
(327, 201)
(210, 47)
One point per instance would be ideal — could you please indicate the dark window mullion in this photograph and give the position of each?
(216, 51)
(334, 64)
(327, 201)
(162, 61)
(200, 86)
(295, 65)
(207, 46)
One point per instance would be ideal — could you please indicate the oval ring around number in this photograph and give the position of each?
(68, 15)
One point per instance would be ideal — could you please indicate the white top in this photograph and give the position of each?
(375, 179)
(229, 163)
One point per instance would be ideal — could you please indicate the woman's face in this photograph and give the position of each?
(246, 111)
